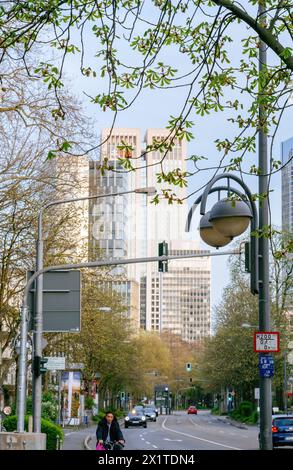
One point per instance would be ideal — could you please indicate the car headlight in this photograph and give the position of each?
(127, 418)
(143, 418)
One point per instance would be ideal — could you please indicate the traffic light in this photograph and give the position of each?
(188, 367)
(163, 251)
(39, 365)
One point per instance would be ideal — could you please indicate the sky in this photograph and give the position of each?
(152, 110)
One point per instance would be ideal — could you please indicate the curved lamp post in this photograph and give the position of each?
(227, 219)
(38, 320)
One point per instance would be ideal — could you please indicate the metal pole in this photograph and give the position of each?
(38, 331)
(264, 295)
(161, 300)
(285, 382)
(22, 366)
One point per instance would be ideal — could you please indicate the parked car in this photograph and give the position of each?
(192, 410)
(150, 413)
(282, 430)
(135, 418)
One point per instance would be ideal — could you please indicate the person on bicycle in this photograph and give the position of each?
(108, 430)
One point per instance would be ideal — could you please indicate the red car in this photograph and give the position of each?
(192, 410)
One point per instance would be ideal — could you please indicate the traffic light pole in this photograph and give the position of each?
(21, 391)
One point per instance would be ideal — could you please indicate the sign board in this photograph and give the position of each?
(290, 379)
(61, 301)
(266, 341)
(266, 365)
(256, 393)
(55, 363)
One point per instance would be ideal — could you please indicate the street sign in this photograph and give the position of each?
(266, 365)
(61, 301)
(266, 341)
(55, 363)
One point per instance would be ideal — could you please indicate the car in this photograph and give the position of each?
(192, 410)
(139, 408)
(150, 413)
(135, 418)
(282, 430)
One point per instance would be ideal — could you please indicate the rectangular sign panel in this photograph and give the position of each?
(55, 363)
(266, 365)
(266, 341)
(61, 301)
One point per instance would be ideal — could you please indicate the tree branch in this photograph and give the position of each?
(265, 35)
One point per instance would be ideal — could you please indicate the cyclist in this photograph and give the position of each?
(108, 430)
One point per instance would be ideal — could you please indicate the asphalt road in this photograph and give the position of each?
(180, 431)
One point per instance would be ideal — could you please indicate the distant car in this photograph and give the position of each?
(150, 413)
(139, 408)
(192, 410)
(135, 418)
(282, 430)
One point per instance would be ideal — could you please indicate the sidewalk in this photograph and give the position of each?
(74, 438)
(226, 419)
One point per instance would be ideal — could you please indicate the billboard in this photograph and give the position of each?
(70, 397)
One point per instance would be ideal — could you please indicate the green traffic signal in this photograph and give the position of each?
(39, 365)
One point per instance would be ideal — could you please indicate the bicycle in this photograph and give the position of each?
(111, 446)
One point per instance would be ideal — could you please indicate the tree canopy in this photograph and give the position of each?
(125, 47)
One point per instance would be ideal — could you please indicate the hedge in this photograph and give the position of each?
(54, 433)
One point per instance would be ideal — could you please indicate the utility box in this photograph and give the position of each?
(22, 441)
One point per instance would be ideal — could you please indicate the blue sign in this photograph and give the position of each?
(266, 366)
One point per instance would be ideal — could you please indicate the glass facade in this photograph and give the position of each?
(287, 185)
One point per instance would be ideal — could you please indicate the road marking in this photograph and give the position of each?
(143, 439)
(198, 438)
(172, 440)
(147, 442)
(155, 447)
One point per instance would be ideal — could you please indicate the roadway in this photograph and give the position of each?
(180, 431)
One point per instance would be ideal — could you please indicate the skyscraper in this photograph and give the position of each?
(287, 185)
(131, 226)
(178, 300)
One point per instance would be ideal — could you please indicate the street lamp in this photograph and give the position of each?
(229, 218)
(38, 320)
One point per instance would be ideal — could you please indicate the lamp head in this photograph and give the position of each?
(230, 218)
(210, 235)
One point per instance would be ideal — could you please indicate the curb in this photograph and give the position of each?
(232, 423)
(87, 441)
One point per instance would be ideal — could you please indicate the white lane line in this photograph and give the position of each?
(69, 433)
(143, 439)
(172, 440)
(198, 438)
(147, 442)
(155, 447)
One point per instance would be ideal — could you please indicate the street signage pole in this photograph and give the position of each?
(21, 391)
